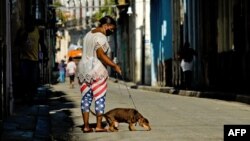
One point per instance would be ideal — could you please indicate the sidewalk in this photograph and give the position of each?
(29, 123)
(201, 94)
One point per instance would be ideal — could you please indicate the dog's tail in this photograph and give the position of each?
(92, 112)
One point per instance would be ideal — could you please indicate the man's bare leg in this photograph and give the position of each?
(99, 124)
(85, 116)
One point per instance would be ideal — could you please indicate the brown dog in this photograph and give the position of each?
(126, 115)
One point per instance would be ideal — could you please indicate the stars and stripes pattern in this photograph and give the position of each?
(99, 88)
(96, 91)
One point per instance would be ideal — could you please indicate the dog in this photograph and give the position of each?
(124, 115)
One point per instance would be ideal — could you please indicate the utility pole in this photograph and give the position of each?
(80, 12)
(143, 44)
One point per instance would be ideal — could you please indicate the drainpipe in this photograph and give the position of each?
(143, 44)
(9, 86)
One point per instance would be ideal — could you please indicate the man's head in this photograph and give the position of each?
(30, 25)
(109, 24)
(186, 44)
(70, 59)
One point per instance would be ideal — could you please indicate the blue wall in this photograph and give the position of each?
(161, 30)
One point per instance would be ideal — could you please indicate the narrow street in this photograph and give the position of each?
(172, 117)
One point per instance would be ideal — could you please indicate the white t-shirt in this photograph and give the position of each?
(71, 67)
(90, 67)
(93, 41)
(186, 66)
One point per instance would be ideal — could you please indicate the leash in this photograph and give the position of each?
(118, 82)
(130, 96)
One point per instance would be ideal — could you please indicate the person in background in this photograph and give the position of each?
(62, 70)
(71, 71)
(186, 55)
(29, 41)
(92, 71)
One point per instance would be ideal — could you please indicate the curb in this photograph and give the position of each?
(42, 129)
(243, 99)
(200, 94)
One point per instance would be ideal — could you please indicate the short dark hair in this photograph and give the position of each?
(30, 25)
(70, 59)
(107, 20)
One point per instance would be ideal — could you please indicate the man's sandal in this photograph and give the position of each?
(101, 130)
(87, 130)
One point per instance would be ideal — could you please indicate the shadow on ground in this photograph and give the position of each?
(61, 116)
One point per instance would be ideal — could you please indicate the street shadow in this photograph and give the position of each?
(62, 122)
(60, 115)
(58, 101)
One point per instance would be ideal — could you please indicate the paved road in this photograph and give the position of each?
(172, 117)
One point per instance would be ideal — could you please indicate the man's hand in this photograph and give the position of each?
(118, 69)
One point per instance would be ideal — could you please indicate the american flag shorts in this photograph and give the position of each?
(96, 91)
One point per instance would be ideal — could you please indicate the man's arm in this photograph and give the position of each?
(107, 61)
(195, 53)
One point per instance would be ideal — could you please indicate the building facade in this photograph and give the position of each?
(218, 30)
(13, 15)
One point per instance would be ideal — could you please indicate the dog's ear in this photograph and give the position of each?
(137, 116)
(133, 119)
(134, 116)
(145, 120)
